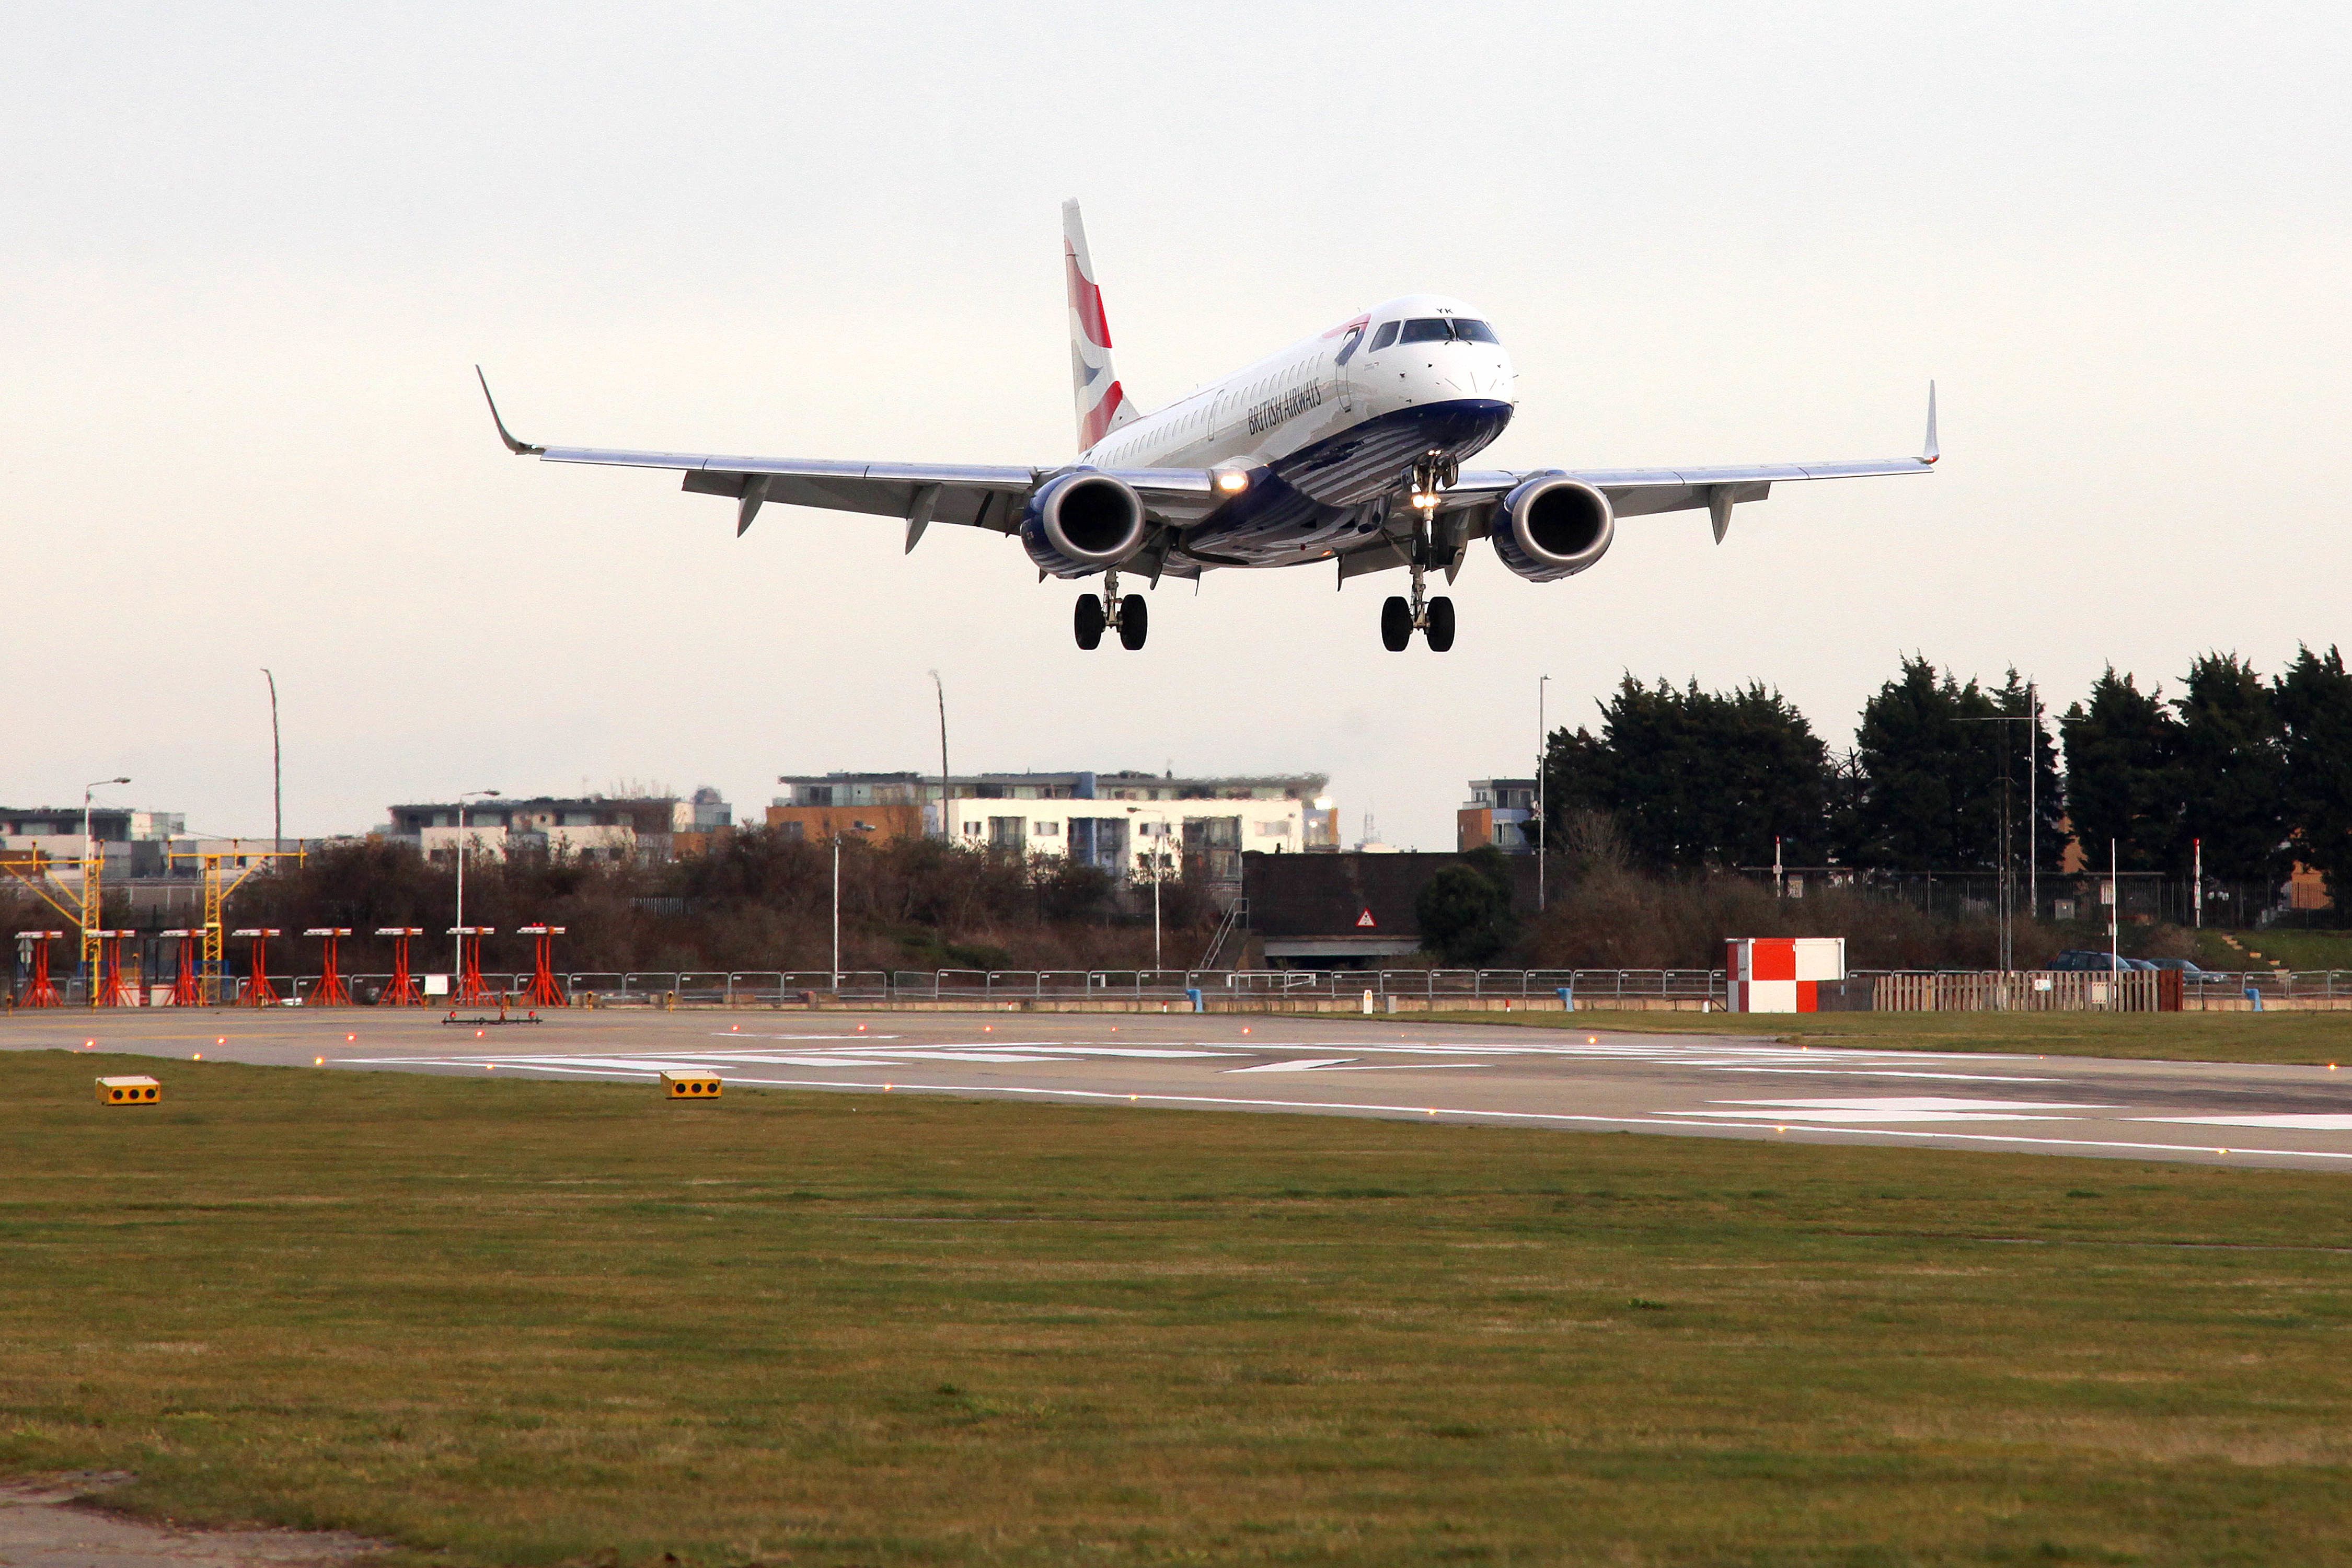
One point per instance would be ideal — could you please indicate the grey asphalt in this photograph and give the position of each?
(1587, 1079)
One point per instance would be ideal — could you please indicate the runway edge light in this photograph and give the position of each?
(137, 1091)
(690, 1085)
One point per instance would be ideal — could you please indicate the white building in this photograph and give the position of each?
(1121, 837)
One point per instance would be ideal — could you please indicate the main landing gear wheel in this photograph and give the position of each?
(1089, 621)
(1438, 624)
(1396, 624)
(1134, 621)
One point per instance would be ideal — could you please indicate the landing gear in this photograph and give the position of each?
(1127, 614)
(1433, 618)
(1437, 626)
(1396, 625)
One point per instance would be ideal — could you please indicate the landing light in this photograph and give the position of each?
(1232, 481)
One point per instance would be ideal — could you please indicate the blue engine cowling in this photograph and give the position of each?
(1552, 527)
(1083, 523)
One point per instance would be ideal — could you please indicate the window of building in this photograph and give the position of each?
(1048, 830)
(816, 794)
(1274, 830)
(1385, 336)
(1008, 832)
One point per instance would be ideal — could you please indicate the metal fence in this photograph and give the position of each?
(1590, 987)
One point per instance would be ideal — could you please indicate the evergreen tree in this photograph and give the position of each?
(1934, 775)
(2314, 701)
(2123, 780)
(2232, 764)
(1698, 779)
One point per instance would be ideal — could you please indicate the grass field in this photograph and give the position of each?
(2296, 949)
(2284, 1038)
(500, 1321)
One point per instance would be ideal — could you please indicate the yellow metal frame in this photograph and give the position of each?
(216, 896)
(38, 871)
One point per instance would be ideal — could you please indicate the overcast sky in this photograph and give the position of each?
(252, 253)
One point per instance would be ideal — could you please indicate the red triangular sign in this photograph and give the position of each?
(1365, 919)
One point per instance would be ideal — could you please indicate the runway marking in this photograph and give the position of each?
(1921, 1102)
(1862, 1116)
(2316, 1123)
(1349, 1064)
(1550, 1117)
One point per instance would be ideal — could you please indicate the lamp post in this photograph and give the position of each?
(1543, 824)
(93, 895)
(459, 939)
(1159, 859)
(855, 828)
(939, 687)
(276, 772)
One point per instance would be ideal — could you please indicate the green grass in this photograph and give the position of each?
(2294, 949)
(2275, 1036)
(509, 1322)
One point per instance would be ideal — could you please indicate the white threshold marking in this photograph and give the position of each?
(2317, 1123)
(1561, 1117)
(1863, 1116)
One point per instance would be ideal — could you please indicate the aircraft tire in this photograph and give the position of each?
(1440, 630)
(1396, 624)
(1134, 622)
(1089, 621)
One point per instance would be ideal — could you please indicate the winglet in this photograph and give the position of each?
(519, 448)
(1931, 452)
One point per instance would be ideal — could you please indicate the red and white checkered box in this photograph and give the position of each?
(1781, 973)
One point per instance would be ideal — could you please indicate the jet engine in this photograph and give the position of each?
(1081, 523)
(1552, 527)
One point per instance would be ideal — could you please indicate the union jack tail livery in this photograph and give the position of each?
(1102, 403)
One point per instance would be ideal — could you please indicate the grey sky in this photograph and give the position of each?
(251, 254)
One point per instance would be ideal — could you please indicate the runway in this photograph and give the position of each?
(1590, 1079)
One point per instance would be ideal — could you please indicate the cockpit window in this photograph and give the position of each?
(1474, 333)
(1427, 331)
(1385, 336)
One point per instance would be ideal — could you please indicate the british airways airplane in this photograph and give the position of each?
(1346, 447)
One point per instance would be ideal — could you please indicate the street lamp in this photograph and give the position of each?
(1159, 861)
(459, 937)
(91, 894)
(855, 828)
(1543, 824)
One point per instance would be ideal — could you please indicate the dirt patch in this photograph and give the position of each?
(50, 1521)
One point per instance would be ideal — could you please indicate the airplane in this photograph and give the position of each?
(1346, 447)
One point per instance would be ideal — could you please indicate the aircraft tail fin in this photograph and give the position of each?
(1102, 402)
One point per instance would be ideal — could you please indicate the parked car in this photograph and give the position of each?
(2076, 959)
(2190, 974)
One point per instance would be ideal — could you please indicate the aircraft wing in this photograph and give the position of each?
(1637, 493)
(969, 495)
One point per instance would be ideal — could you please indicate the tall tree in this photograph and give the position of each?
(2123, 781)
(1938, 777)
(2315, 709)
(2232, 768)
(1696, 778)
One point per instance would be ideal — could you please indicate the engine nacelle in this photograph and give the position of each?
(1553, 527)
(1082, 522)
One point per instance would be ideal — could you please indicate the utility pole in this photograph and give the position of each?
(2114, 929)
(276, 774)
(946, 832)
(1543, 822)
(2197, 883)
(460, 937)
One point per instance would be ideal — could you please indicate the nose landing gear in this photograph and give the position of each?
(1127, 614)
(1433, 618)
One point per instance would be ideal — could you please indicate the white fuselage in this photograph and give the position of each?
(1316, 391)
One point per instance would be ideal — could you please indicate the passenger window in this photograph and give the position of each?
(1426, 331)
(1385, 336)
(1474, 333)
